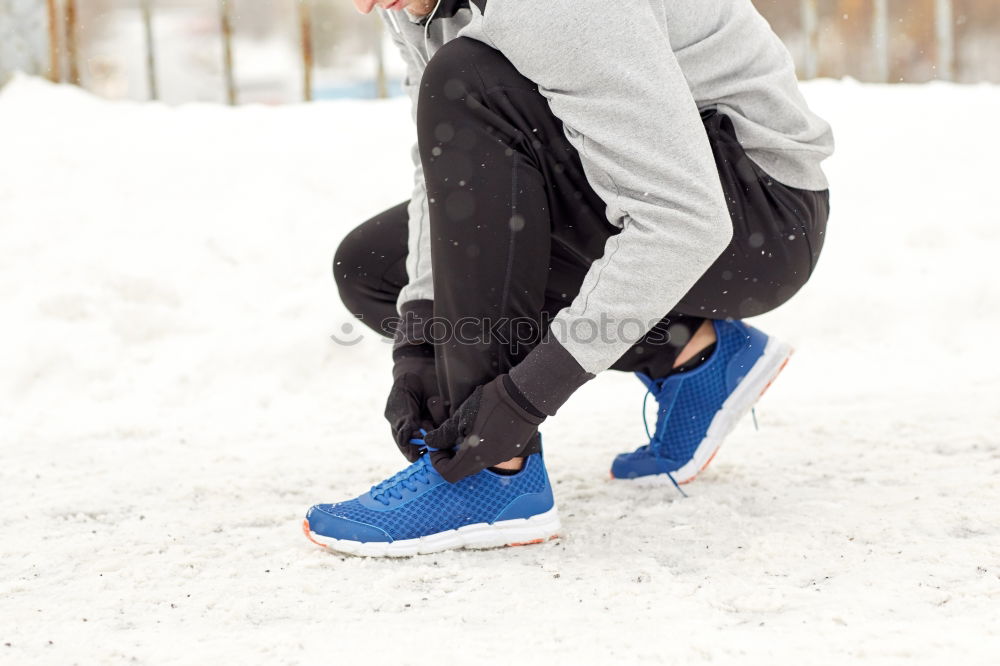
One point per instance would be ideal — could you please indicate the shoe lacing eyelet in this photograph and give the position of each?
(389, 489)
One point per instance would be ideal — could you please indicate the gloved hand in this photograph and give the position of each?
(414, 402)
(493, 425)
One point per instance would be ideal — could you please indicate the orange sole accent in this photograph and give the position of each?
(767, 386)
(534, 541)
(707, 462)
(787, 359)
(712, 457)
(308, 533)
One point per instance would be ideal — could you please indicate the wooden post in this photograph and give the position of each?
(226, 22)
(381, 84)
(54, 64)
(810, 29)
(880, 39)
(945, 31)
(305, 25)
(71, 42)
(147, 24)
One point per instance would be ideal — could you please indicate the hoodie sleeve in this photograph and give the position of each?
(628, 110)
(418, 260)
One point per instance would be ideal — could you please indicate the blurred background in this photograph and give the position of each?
(246, 51)
(172, 400)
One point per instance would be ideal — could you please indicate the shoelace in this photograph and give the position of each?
(652, 438)
(419, 441)
(408, 478)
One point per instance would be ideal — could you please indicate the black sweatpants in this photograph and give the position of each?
(515, 226)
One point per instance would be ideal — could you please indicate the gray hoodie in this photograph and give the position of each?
(627, 79)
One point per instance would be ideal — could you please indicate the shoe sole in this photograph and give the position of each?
(763, 373)
(519, 532)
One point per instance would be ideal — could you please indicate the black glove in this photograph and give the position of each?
(413, 403)
(496, 423)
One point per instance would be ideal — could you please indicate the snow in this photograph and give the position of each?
(171, 403)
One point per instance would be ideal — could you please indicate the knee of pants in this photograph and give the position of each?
(349, 270)
(453, 73)
(453, 124)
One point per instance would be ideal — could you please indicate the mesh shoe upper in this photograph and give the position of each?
(432, 505)
(688, 402)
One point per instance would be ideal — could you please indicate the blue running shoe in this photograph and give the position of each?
(700, 407)
(416, 511)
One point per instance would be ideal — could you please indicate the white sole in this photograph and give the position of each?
(736, 406)
(518, 532)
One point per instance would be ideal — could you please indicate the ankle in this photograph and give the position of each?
(509, 467)
(702, 339)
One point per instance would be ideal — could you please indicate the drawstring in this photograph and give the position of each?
(422, 58)
(427, 30)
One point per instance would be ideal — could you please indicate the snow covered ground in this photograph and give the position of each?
(171, 403)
